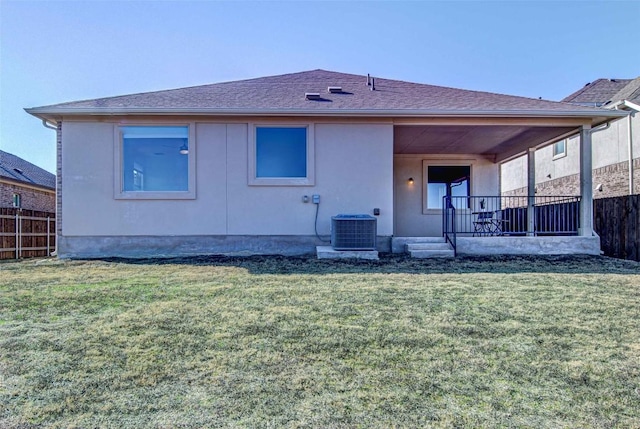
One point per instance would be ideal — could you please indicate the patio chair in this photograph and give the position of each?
(485, 224)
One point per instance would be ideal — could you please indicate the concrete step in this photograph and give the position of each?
(399, 244)
(423, 254)
(427, 246)
(413, 240)
(435, 247)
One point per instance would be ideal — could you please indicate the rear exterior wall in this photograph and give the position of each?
(353, 174)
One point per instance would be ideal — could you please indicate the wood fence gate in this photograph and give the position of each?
(617, 222)
(26, 233)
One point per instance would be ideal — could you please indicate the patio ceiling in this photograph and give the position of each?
(492, 141)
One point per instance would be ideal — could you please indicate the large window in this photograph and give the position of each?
(155, 162)
(281, 155)
(453, 181)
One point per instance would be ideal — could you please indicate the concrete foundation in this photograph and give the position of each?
(328, 252)
(528, 245)
(512, 245)
(171, 246)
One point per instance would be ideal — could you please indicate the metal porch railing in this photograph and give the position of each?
(488, 216)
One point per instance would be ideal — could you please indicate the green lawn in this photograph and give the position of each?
(286, 342)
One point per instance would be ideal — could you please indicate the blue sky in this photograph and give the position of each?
(56, 51)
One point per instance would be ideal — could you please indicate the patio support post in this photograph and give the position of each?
(586, 182)
(531, 190)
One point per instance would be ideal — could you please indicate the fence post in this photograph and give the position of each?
(17, 236)
(16, 231)
(48, 237)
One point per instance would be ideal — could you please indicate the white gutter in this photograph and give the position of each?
(41, 111)
(601, 128)
(46, 124)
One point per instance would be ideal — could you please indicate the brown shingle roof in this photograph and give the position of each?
(631, 92)
(16, 168)
(597, 92)
(286, 93)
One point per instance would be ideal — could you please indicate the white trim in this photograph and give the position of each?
(120, 194)
(625, 103)
(559, 155)
(32, 186)
(253, 180)
(595, 113)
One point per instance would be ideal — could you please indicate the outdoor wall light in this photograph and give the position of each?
(410, 181)
(184, 150)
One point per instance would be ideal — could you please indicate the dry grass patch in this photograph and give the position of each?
(288, 342)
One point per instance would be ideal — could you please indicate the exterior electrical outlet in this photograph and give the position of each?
(316, 199)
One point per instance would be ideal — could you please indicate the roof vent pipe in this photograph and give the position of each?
(373, 84)
(368, 80)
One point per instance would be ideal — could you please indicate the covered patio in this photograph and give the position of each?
(447, 186)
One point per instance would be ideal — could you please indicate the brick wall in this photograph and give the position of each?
(614, 179)
(32, 199)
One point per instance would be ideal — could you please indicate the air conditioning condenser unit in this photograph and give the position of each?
(353, 232)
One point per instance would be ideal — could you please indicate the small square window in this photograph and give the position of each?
(281, 152)
(560, 149)
(281, 156)
(155, 162)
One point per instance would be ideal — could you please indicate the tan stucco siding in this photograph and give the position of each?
(412, 218)
(353, 174)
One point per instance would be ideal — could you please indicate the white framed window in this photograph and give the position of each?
(154, 162)
(281, 155)
(560, 149)
(446, 178)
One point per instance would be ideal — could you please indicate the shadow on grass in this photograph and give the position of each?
(390, 263)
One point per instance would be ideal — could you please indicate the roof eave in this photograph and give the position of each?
(624, 103)
(26, 184)
(54, 113)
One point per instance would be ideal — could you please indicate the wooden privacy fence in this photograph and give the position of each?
(26, 233)
(617, 222)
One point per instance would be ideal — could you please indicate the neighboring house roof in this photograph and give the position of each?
(603, 91)
(19, 170)
(285, 94)
(631, 92)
